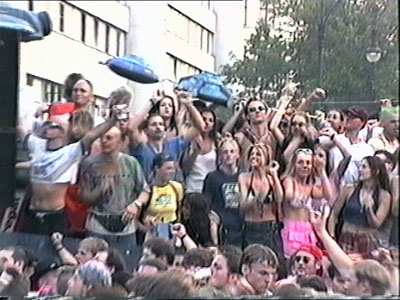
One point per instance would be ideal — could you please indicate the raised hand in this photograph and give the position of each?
(158, 95)
(178, 230)
(274, 168)
(328, 131)
(57, 239)
(318, 218)
(290, 89)
(184, 97)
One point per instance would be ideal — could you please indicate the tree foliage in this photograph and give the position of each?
(342, 29)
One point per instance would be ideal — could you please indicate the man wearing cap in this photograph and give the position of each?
(356, 118)
(306, 261)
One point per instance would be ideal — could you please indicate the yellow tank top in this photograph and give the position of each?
(165, 203)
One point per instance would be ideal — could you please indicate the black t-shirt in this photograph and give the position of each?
(223, 192)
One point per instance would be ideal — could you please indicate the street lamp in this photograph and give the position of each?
(373, 54)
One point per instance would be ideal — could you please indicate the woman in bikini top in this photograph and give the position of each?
(301, 192)
(261, 191)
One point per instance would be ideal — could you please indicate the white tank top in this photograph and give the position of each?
(204, 164)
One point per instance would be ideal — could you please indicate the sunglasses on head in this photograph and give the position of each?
(304, 151)
(254, 109)
(305, 259)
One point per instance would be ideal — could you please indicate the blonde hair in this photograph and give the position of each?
(291, 167)
(264, 149)
(375, 274)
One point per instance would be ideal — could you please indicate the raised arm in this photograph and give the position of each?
(66, 257)
(277, 187)
(199, 125)
(98, 131)
(136, 136)
(291, 148)
(337, 207)
(234, 119)
(338, 257)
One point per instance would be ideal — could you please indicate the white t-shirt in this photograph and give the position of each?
(358, 152)
(54, 166)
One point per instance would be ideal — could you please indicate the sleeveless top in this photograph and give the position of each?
(354, 213)
(204, 164)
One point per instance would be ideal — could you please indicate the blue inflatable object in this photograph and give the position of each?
(31, 26)
(134, 68)
(206, 86)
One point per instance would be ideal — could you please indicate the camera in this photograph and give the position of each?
(163, 230)
(31, 26)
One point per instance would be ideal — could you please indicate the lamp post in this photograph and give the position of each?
(373, 53)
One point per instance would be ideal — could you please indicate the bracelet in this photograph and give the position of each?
(60, 248)
(183, 236)
(333, 136)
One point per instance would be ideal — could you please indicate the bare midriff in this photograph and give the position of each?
(48, 197)
(253, 215)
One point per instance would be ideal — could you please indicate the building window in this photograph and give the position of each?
(210, 43)
(61, 17)
(50, 91)
(189, 31)
(245, 13)
(180, 68)
(83, 27)
(96, 31)
(107, 38)
(118, 43)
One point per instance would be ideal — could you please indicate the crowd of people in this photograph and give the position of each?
(278, 200)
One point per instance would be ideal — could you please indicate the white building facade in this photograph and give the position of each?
(178, 38)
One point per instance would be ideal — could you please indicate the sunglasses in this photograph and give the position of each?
(304, 151)
(294, 124)
(305, 259)
(259, 109)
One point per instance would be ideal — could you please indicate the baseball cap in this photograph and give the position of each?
(313, 250)
(357, 111)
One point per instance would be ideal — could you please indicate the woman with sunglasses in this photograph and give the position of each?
(301, 135)
(364, 208)
(257, 131)
(299, 181)
(261, 198)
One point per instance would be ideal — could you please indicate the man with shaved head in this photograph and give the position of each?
(109, 183)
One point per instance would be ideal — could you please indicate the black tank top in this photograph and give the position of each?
(354, 213)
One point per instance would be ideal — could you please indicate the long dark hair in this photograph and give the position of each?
(156, 110)
(379, 172)
(198, 224)
(213, 133)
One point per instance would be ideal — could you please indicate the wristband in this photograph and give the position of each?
(333, 136)
(60, 248)
(183, 236)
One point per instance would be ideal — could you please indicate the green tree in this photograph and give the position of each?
(327, 50)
